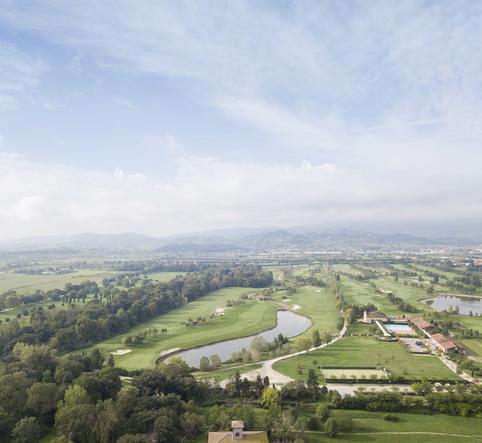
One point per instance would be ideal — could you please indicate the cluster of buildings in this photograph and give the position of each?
(439, 341)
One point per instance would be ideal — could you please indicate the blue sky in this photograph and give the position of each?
(171, 116)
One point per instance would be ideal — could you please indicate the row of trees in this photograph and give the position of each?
(68, 329)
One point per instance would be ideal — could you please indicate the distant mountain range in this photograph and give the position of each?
(231, 240)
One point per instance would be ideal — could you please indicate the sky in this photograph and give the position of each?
(162, 117)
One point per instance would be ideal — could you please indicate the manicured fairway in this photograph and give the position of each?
(240, 320)
(316, 304)
(26, 283)
(366, 425)
(353, 352)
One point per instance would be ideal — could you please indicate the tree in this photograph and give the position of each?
(331, 428)
(323, 412)
(13, 395)
(67, 371)
(165, 430)
(191, 424)
(327, 337)
(316, 338)
(110, 362)
(312, 383)
(282, 426)
(27, 430)
(258, 344)
(42, 398)
(215, 361)
(204, 364)
(270, 398)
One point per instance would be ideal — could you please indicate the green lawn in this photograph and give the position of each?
(351, 352)
(164, 276)
(224, 373)
(474, 345)
(372, 422)
(316, 304)
(241, 320)
(26, 283)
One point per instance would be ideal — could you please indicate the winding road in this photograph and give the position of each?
(275, 377)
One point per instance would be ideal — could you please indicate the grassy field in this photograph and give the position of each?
(164, 276)
(240, 320)
(316, 304)
(26, 283)
(474, 345)
(371, 427)
(224, 373)
(352, 352)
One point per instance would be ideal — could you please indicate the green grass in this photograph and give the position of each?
(164, 276)
(26, 283)
(241, 320)
(474, 345)
(224, 373)
(316, 304)
(365, 422)
(352, 352)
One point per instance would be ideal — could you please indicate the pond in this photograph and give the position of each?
(288, 323)
(457, 304)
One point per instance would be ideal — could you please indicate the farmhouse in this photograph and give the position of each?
(371, 317)
(444, 343)
(238, 434)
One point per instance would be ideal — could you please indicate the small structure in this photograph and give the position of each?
(238, 434)
(420, 323)
(444, 343)
(370, 317)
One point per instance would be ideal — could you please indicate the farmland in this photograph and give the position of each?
(28, 283)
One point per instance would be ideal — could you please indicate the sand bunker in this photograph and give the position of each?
(121, 351)
(296, 307)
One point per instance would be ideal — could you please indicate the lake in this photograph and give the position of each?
(456, 303)
(288, 323)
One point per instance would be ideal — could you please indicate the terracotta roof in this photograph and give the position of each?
(420, 323)
(248, 437)
(444, 341)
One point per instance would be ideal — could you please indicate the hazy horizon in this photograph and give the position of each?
(170, 117)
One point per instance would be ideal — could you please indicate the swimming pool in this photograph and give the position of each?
(398, 328)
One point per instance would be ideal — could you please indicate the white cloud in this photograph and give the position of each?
(125, 104)
(7, 103)
(208, 193)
